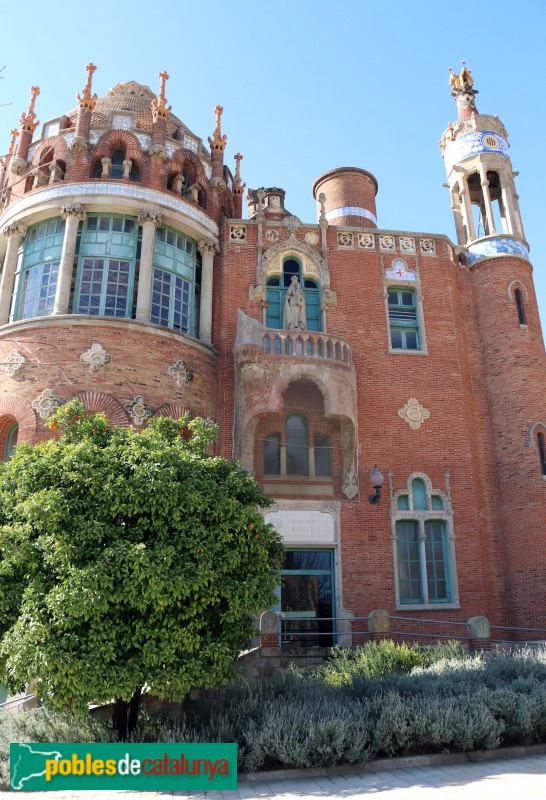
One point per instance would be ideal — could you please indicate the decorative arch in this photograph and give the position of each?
(124, 139)
(429, 489)
(532, 438)
(23, 413)
(57, 144)
(517, 284)
(174, 411)
(177, 162)
(99, 402)
(312, 263)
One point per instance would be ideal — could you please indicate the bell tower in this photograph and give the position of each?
(480, 177)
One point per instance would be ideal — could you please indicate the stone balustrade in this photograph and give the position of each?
(307, 344)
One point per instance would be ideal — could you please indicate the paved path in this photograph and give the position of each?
(508, 779)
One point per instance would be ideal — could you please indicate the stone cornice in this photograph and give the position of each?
(87, 193)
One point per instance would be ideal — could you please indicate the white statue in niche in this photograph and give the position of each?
(294, 317)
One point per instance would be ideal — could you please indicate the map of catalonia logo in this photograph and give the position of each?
(145, 767)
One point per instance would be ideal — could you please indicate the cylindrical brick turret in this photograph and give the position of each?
(349, 196)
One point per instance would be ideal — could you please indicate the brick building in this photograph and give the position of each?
(132, 280)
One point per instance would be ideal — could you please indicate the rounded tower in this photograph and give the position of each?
(508, 346)
(348, 197)
(110, 227)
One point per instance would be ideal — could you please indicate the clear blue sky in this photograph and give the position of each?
(307, 86)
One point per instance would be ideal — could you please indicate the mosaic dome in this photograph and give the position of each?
(130, 96)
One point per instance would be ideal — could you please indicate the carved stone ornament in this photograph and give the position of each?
(407, 244)
(349, 486)
(345, 239)
(149, 215)
(138, 410)
(427, 246)
(329, 299)
(15, 229)
(257, 293)
(366, 241)
(96, 357)
(13, 363)
(208, 246)
(237, 233)
(79, 144)
(73, 210)
(158, 151)
(311, 237)
(386, 242)
(218, 185)
(413, 413)
(46, 403)
(180, 373)
(18, 165)
(272, 236)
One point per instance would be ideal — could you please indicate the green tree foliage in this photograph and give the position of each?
(129, 561)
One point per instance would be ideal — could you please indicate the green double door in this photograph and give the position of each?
(307, 599)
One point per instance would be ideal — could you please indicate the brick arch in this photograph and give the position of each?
(173, 411)
(127, 140)
(100, 402)
(177, 162)
(55, 143)
(541, 426)
(518, 284)
(22, 413)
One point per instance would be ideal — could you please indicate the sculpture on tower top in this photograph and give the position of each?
(28, 121)
(86, 99)
(218, 142)
(462, 89)
(159, 104)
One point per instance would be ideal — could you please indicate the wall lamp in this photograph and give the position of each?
(376, 479)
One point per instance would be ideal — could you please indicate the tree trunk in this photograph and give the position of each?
(125, 715)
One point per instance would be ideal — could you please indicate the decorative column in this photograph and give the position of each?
(73, 214)
(238, 187)
(29, 123)
(467, 209)
(14, 234)
(457, 214)
(491, 229)
(150, 221)
(207, 248)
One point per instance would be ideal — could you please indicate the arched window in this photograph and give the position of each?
(37, 270)
(106, 266)
(403, 319)
(175, 281)
(297, 450)
(323, 456)
(424, 555)
(118, 157)
(542, 452)
(519, 306)
(11, 441)
(277, 287)
(272, 454)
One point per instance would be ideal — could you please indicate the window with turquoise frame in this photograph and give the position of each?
(11, 441)
(106, 266)
(38, 270)
(278, 285)
(422, 548)
(403, 319)
(175, 281)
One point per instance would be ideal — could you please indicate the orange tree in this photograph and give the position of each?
(129, 562)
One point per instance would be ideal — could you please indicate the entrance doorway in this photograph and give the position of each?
(307, 598)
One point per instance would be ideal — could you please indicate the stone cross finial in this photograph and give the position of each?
(28, 120)
(159, 104)
(14, 134)
(87, 100)
(218, 142)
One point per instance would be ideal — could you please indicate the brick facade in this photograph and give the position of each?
(458, 413)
